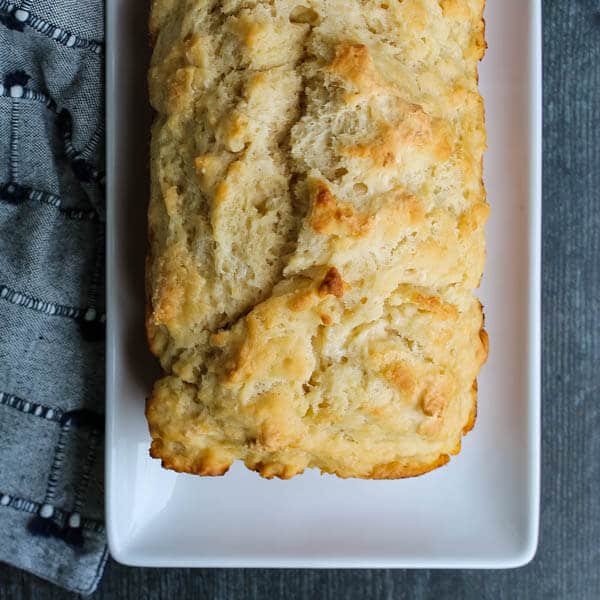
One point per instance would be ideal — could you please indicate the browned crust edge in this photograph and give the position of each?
(148, 318)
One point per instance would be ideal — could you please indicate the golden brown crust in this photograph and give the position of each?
(331, 216)
(316, 235)
(398, 470)
(473, 414)
(332, 284)
(181, 464)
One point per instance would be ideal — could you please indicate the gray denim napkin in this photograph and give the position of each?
(52, 289)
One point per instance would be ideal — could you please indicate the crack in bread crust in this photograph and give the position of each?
(316, 235)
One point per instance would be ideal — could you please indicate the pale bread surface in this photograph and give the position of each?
(317, 233)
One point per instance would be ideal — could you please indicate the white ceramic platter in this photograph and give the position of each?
(479, 511)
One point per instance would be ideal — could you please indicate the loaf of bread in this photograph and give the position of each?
(316, 234)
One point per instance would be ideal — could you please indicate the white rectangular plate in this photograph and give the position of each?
(479, 511)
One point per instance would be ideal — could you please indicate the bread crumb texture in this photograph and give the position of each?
(317, 233)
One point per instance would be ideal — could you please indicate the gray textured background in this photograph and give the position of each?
(568, 561)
